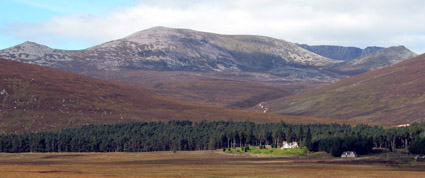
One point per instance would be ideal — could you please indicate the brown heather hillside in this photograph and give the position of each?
(210, 88)
(35, 98)
(390, 96)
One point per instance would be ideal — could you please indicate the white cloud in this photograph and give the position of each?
(349, 22)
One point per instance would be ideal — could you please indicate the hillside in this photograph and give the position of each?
(36, 98)
(340, 52)
(392, 95)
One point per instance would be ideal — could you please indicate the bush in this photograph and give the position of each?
(245, 148)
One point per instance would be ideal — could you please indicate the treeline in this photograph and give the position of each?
(336, 145)
(186, 135)
(418, 146)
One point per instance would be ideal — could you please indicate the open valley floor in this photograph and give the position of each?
(202, 164)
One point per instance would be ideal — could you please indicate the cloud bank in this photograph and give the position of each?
(349, 22)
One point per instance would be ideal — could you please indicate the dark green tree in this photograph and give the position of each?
(289, 134)
(300, 135)
(308, 138)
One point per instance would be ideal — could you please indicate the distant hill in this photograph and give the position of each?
(340, 52)
(36, 98)
(390, 96)
(376, 60)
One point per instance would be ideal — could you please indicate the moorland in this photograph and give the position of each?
(203, 164)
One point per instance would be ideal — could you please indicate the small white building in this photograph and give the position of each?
(349, 154)
(287, 145)
(420, 157)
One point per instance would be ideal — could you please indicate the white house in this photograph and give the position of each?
(348, 154)
(287, 145)
(420, 157)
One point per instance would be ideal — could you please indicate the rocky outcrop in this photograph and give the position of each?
(379, 59)
(340, 52)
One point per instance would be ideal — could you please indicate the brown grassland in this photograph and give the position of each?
(200, 164)
(211, 88)
(389, 96)
(44, 99)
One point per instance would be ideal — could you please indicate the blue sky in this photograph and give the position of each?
(22, 13)
(80, 24)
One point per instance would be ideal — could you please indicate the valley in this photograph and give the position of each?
(232, 90)
(36, 98)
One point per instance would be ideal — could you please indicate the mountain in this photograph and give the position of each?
(390, 96)
(183, 49)
(205, 68)
(169, 49)
(340, 52)
(381, 58)
(36, 98)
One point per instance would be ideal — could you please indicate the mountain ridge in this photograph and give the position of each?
(163, 48)
(340, 52)
(376, 60)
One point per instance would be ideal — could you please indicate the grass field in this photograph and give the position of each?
(269, 151)
(200, 164)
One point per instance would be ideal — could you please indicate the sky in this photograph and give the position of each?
(80, 24)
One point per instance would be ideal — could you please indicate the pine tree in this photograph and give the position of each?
(300, 135)
(308, 138)
(289, 135)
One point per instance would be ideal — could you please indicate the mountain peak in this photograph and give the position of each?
(33, 53)
(159, 28)
(397, 50)
(31, 44)
(150, 35)
(32, 47)
(159, 33)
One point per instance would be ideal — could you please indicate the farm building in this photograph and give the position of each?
(348, 154)
(289, 145)
(420, 157)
